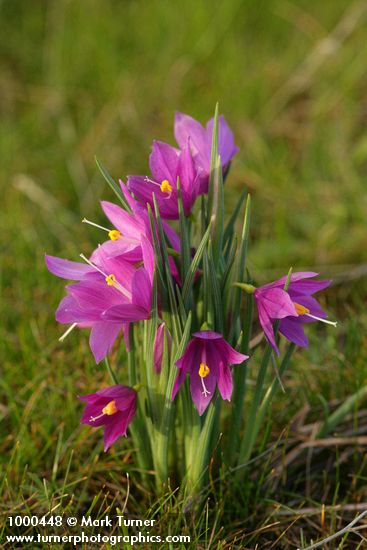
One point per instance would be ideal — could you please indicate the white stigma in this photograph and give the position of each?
(84, 220)
(94, 418)
(205, 392)
(93, 265)
(333, 323)
(148, 180)
(63, 336)
(117, 285)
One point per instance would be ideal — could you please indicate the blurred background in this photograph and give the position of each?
(104, 78)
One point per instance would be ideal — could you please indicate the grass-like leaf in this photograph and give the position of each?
(111, 182)
(229, 229)
(184, 234)
(187, 286)
(241, 267)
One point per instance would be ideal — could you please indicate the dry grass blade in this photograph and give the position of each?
(343, 531)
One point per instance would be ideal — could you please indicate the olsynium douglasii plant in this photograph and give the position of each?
(174, 290)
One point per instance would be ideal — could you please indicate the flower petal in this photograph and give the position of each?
(276, 301)
(130, 252)
(122, 220)
(188, 360)
(125, 313)
(186, 127)
(95, 296)
(159, 346)
(207, 335)
(228, 354)
(69, 312)
(199, 398)
(298, 276)
(163, 162)
(172, 236)
(102, 338)
(148, 259)
(226, 146)
(67, 269)
(309, 287)
(134, 205)
(142, 290)
(267, 327)
(225, 384)
(292, 329)
(144, 189)
(116, 428)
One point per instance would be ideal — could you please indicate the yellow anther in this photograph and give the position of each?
(110, 408)
(204, 370)
(301, 310)
(114, 234)
(111, 280)
(166, 187)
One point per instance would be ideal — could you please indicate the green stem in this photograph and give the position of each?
(273, 388)
(253, 422)
(249, 437)
(138, 427)
(240, 375)
(131, 367)
(191, 426)
(110, 371)
(162, 436)
(166, 425)
(200, 456)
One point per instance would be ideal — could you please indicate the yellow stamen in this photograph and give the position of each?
(110, 408)
(114, 234)
(204, 370)
(301, 310)
(166, 187)
(111, 280)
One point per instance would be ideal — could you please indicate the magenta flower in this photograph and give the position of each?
(293, 308)
(107, 296)
(130, 230)
(114, 408)
(187, 127)
(126, 237)
(167, 164)
(207, 359)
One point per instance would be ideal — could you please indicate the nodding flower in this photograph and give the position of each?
(293, 308)
(207, 359)
(114, 408)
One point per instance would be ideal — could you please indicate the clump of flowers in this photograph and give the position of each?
(168, 287)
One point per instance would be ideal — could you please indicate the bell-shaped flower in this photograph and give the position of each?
(114, 408)
(167, 165)
(293, 307)
(207, 359)
(200, 138)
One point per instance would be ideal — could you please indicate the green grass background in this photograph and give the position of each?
(104, 78)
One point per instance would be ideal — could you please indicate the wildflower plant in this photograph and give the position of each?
(171, 278)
